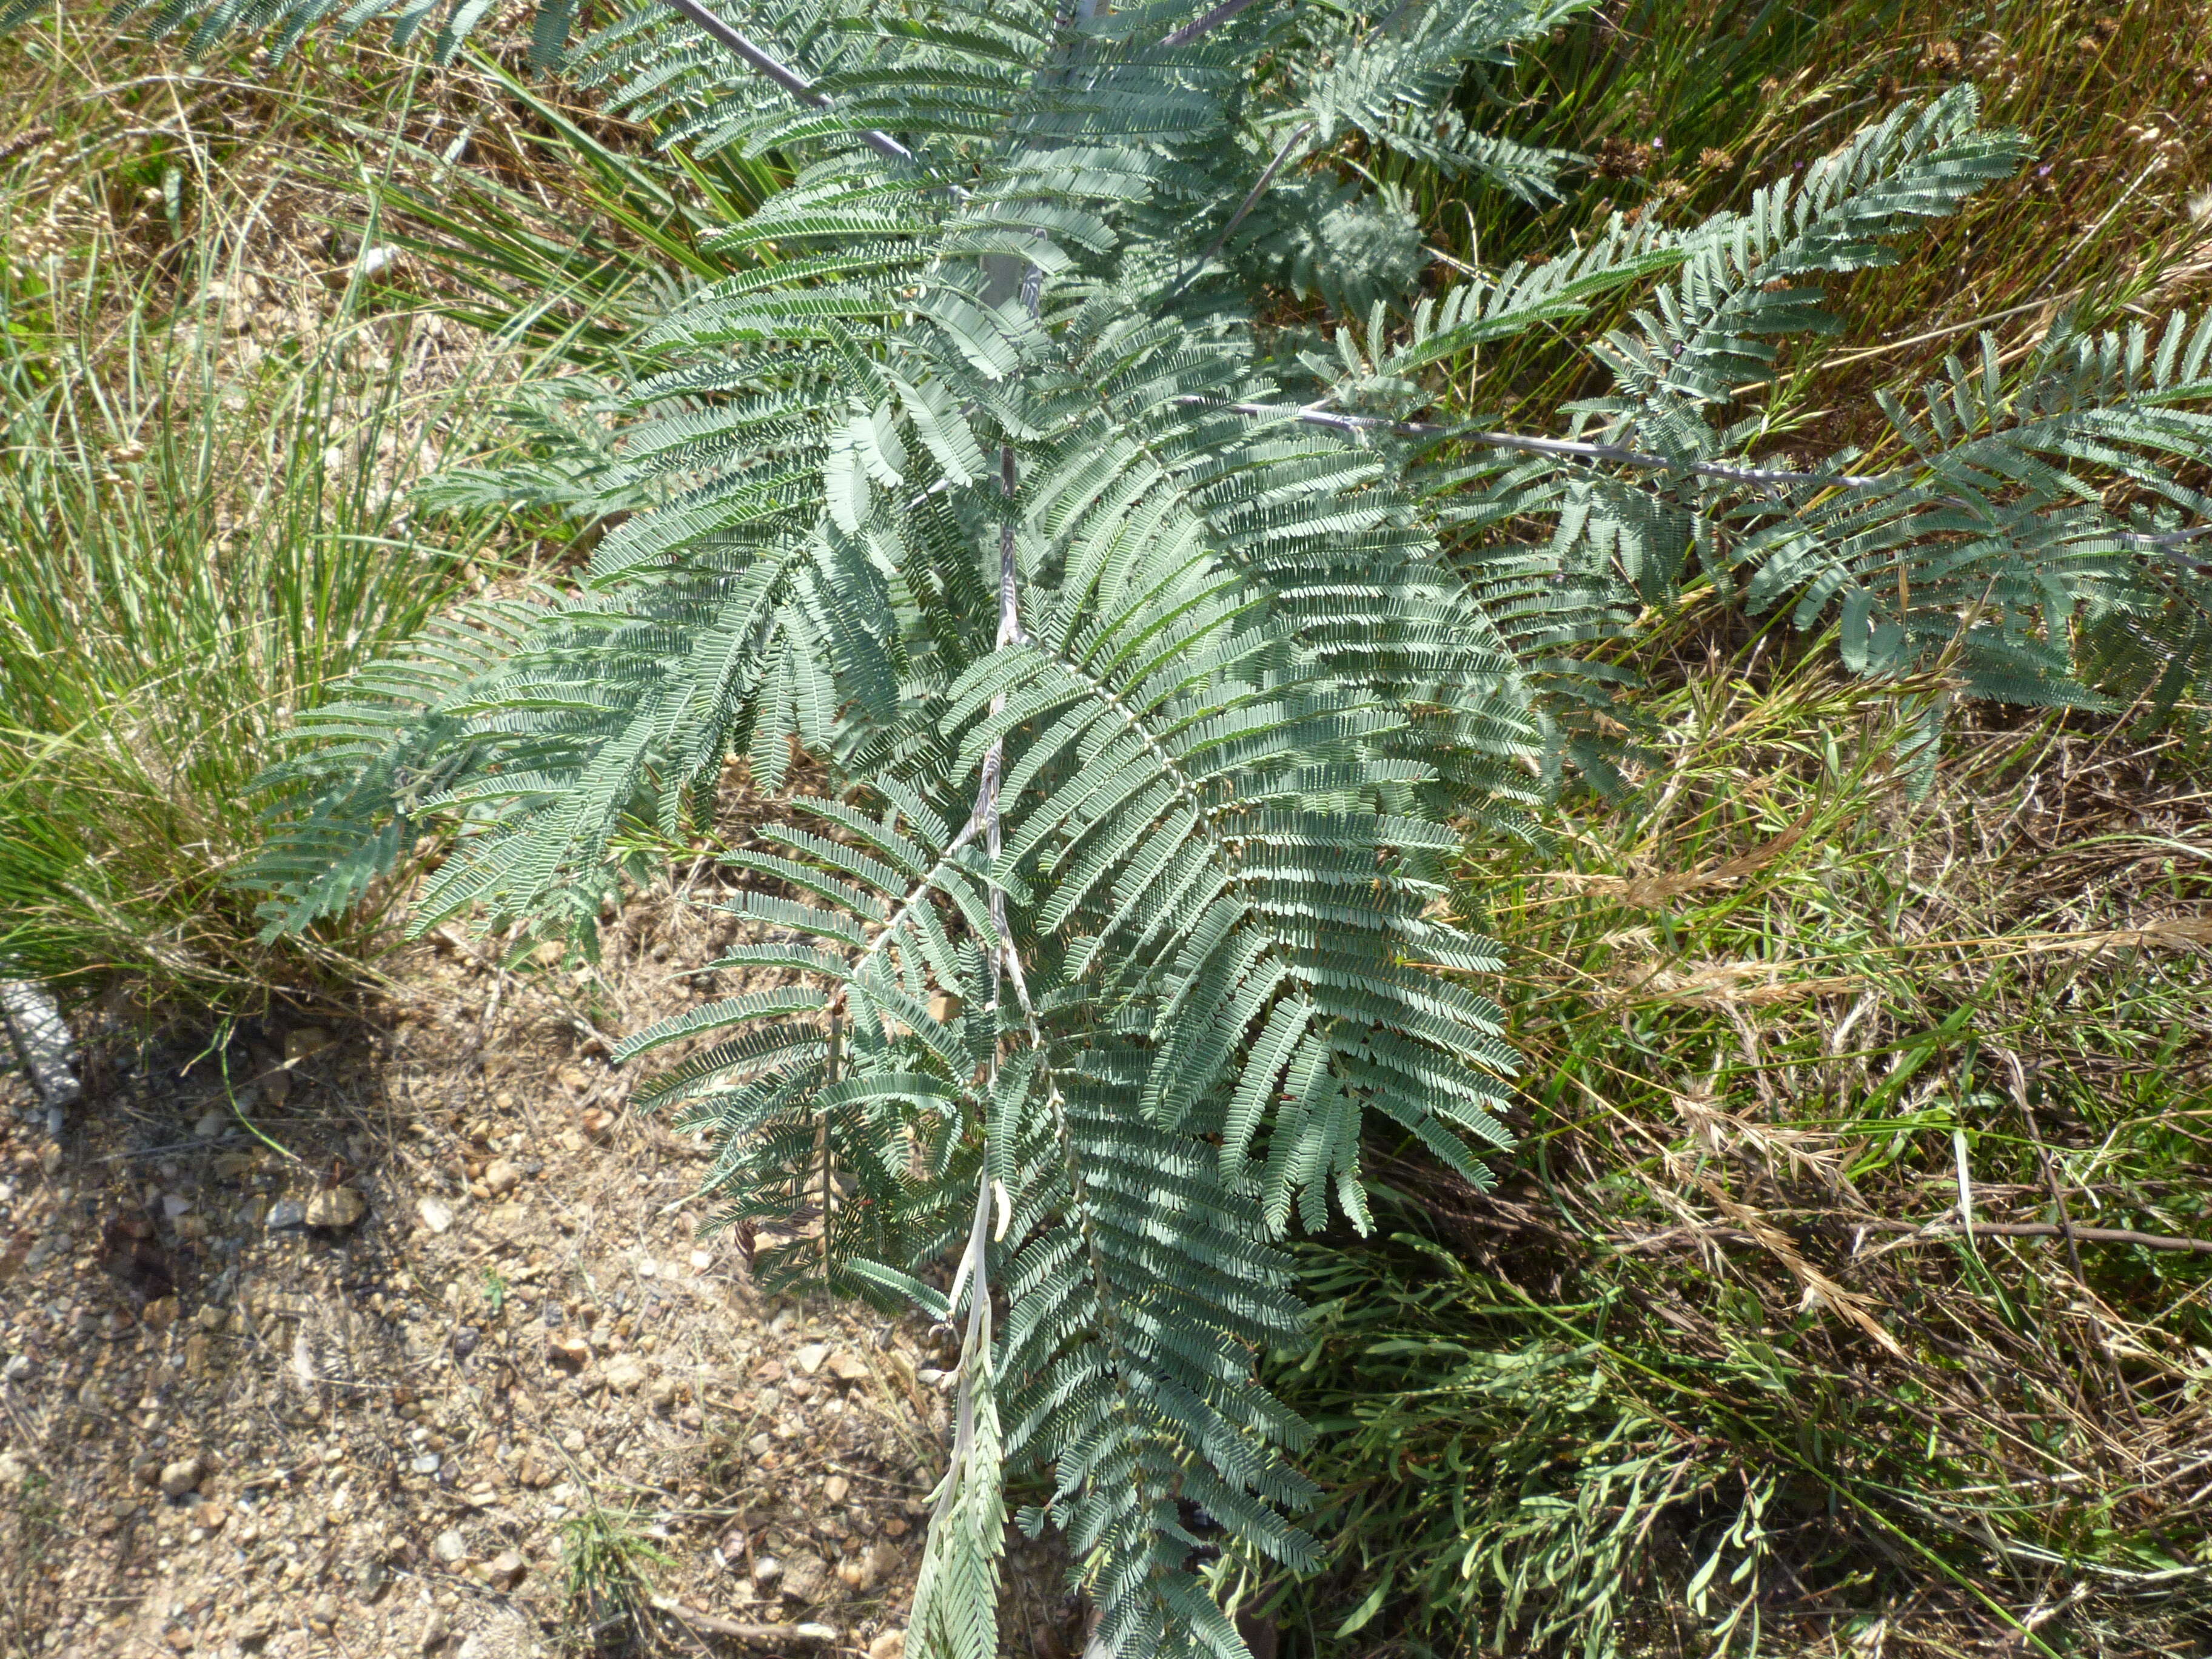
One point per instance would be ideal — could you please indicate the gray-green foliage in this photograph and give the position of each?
(1122, 613)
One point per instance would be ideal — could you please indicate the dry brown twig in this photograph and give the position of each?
(739, 1630)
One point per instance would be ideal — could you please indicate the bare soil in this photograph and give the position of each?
(518, 1405)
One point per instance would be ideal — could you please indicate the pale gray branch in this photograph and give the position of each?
(789, 79)
(42, 1042)
(1620, 455)
(1572, 449)
(1252, 200)
(1206, 24)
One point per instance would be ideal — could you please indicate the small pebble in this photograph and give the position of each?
(337, 1207)
(626, 1375)
(180, 1477)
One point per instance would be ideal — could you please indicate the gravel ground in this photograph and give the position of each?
(400, 1339)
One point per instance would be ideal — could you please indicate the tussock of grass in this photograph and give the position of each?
(196, 545)
(1717, 1369)
(607, 1560)
(242, 308)
(212, 411)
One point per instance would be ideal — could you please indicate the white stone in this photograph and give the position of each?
(626, 1375)
(179, 1477)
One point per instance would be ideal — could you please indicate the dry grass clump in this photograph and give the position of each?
(1848, 1294)
(235, 335)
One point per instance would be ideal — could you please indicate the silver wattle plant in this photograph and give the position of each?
(1165, 657)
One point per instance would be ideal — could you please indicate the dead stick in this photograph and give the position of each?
(2051, 1230)
(2091, 1235)
(741, 1630)
(1981, 1230)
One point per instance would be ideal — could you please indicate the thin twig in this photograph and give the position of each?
(1929, 1232)
(1576, 449)
(2092, 234)
(741, 1630)
(2050, 1229)
(1934, 334)
(2168, 542)
(2018, 1074)
(1206, 25)
(1570, 448)
(789, 79)
(1252, 200)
